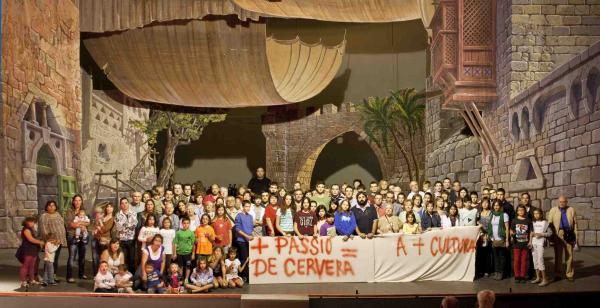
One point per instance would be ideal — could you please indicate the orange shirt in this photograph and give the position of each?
(204, 242)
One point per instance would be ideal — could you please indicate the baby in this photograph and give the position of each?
(81, 233)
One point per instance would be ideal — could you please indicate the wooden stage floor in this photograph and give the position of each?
(587, 279)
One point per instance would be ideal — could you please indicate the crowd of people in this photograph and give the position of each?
(191, 239)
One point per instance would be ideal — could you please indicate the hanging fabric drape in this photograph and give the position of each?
(217, 62)
(116, 15)
(342, 10)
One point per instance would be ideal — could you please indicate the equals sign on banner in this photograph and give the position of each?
(348, 253)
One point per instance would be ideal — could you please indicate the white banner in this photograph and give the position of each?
(442, 255)
(310, 260)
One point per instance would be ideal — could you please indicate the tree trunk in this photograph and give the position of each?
(404, 155)
(168, 165)
(414, 158)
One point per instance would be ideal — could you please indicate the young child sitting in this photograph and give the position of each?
(201, 279)
(123, 280)
(104, 282)
(234, 266)
(81, 233)
(174, 280)
(154, 283)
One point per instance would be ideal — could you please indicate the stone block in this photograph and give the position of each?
(590, 189)
(32, 192)
(4, 224)
(29, 176)
(449, 156)
(562, 178)
(474, 175)
(570, 155)
(590, 238)
(459, 152)
(581, 151)
(472, 149)
(595, 174)
(579, 176)
(456, 166)
(468, 163)
(30, 205)
(565, 9)
(580, 190)
(21, 192)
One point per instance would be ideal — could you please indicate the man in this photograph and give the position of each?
(187, 193)
(264, 198)
(177, 191)
(486, 299)
(336, 196)
(349, 195)
(321, 197)
(492, 192)
(125, 223)
(169, 196)
(136, 205)
(455, 192)
(426, 187)
(365, 215)
(297, 185)
(298, 196)
(259, 182)
(244, 225)
(485, 193)
(273, 188)
(507, 206)
(213, 195)
(447, 183)
(414, 189)
(563, 223)
(383, 187)
(373, 189)
(396, 207)
(378, 205)
(437, 189)
(231, 210)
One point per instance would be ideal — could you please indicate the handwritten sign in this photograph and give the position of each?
(309, 260)
(443, 255)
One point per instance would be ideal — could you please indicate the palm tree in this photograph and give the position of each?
(381, 120)
(411, 115)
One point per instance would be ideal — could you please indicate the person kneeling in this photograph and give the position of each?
(104, 282)
(201, 279)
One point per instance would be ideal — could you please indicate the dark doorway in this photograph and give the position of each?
(345, 158)
(47, 180)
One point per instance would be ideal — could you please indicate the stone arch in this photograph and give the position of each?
(541, 103)
(308, 162)
(574, 97)
(525, 123)
(35, 150)
(592, 84)
(514, 127)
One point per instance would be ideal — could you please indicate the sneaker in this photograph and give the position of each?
(71, 280)
(43, 284)
(84, 277)
(486, 275)
(497, 276)
(24, 284)
(543, 283)
(53, 283)
(536, 280)
(570, 279)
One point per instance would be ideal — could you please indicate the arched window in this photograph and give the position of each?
(525, 124)
(591, 85)
(515, 127)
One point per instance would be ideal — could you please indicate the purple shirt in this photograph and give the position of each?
(245, 223)
(324, 227)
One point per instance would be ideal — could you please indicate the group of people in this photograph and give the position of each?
(191, 239)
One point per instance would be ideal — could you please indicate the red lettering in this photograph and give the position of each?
(271, 266)
(338, 267)
(329, 268)
(314, 246)
(280, 242)
(293, 246)
(348, 268)
(259, 245)
(432, 245)
(400, 245)
(258, 265)
(289, 272)
(419, 244)
(328, 246)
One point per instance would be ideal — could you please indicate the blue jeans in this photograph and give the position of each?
(48, 272)
(97, 250)
(76, 248)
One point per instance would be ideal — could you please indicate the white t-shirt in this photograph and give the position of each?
(540, 226)
(50, 252)
(122, 279)
(104, 281)
(146, 232)
(495, 222)
(468, 217)
(236, 265)
(168, 236)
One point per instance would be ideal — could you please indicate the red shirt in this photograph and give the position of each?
(271, 213)
(222, 228)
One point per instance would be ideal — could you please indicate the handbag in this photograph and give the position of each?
(500, 243)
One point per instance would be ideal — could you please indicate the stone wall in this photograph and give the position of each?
(40, 66)
(111, 144)
(295, 138)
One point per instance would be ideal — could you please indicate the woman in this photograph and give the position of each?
(284, 223)
(452, 219)
(321, 211)
(52, 222)
(281, 193)
(463, 194)
(217, 263)
(270, 216)
(498, 233)
(76, 248)
(222, 227)
(344, 221)
(418, 205)
(333, 207)
(28, 253)
(155, 254)
(148, 211)
(305, 220)
(483, 256)
(388, 223)
(113, 256)
(104, 227)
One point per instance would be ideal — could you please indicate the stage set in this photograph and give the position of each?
(164, 100)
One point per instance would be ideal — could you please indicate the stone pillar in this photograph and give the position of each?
(44, 119)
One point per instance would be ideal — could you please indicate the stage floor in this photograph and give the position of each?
(587, 279)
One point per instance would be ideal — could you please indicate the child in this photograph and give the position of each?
(183, 245)
(205, 236)
(174, 280)
(148, 231)
(104, 282)
(153, 283)
(468, 214)
(234, 266)
(28, 252)
(408, 208)
(123, 281)
(328, 228)
(217, 264)
(168, 235)
(520, 230)
(81, 233)
(50, 249)
(201, 279)
(411, 226)
(538, 241)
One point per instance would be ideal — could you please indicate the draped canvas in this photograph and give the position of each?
(341, 10)
(114, 15)
(210, 63)
(301, 71)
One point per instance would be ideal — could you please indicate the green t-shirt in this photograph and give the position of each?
(184, 239)
(325, 200)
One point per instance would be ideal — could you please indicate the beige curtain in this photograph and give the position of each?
(341, 10)
(301, 71)
(213, 63)
(115, 15)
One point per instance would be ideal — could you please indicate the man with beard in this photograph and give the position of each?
(273, 188)
(264, 198)
(259, 182)
(335, 193)
(365, 215)
(213, 195)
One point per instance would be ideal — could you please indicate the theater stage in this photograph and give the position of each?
(427, 293)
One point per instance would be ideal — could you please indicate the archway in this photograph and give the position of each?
(47, 177)
(343, 159)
